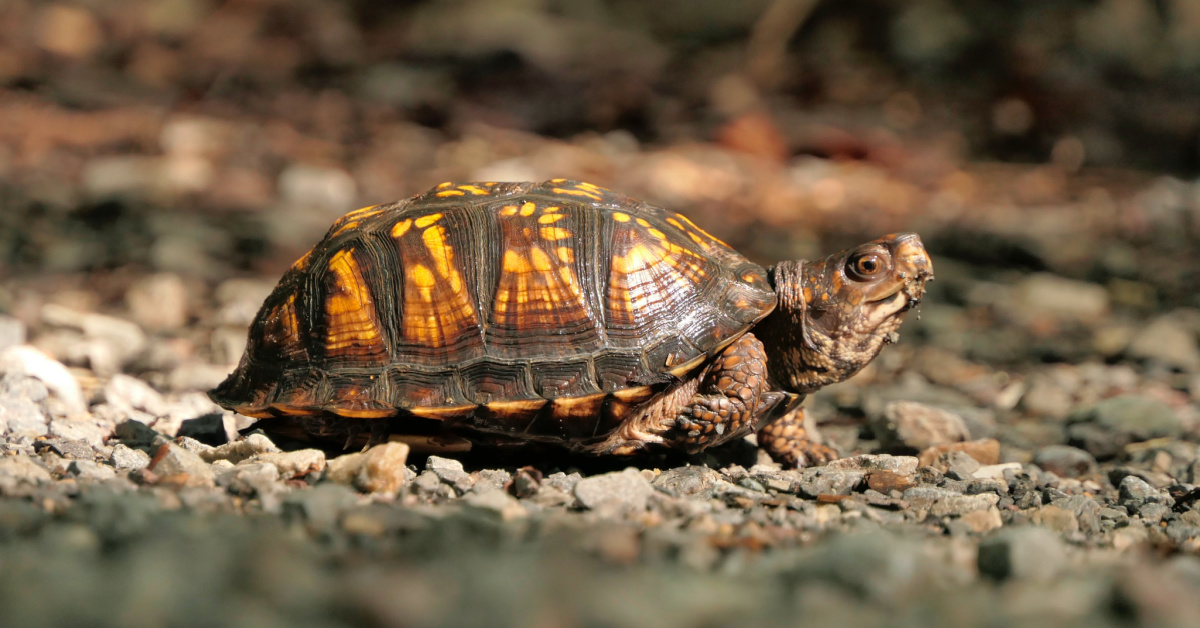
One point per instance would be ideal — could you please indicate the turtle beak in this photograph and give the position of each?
(913, 266)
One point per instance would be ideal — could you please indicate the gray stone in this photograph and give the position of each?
(69, 449)
(912, 426)
(173, 460)
(321, 506)
(293, 464)
(158, 302)
(12, 332)
(130, 393)
(24, 360)
(1153, 513)
(497, 503)
(89, 469)
(125, 458)
(1085, 509)
(1042, 295)
(1111, 424)
(427, 482)
(86, 429)
(137, 433)
(900, 465)
(114, 342)
(193, 445)
(259, 480)
(240, 450)
(960, 465)
(491, 480)
(686, 481)
(1055, 518)
(380, 469)
(22, 416)
(1022, 553)
(451, 472)
(623, 490)
(21, 468)
(1064, 461)
(825, 481)
(1167, 341)
(1134, 492)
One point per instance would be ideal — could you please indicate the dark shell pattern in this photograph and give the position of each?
(542, 311)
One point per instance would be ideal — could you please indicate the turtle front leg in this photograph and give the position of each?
(731, 400)
(789, 443)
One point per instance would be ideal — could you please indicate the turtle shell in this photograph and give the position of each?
(539, 311)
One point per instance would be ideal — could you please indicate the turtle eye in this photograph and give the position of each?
(865, 266)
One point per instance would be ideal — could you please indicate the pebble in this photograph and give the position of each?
(293, 464)
(180, 466)
(70, 449)
(451, 472)
(158, 302)
(1057, 519)
(123, 457)
(1022, 553)
(905, 466)
(89, 469)
(21, 468)
(1065, 461)
(912, 426)
(624, 490)
(214, 428)
(985, 451)
(1133, 492)
(321, 506)
(30, 362)
(1042, 296)
(997, 471)
(687, 481)
(380, 469)
(20, 414)
(819, 481)
(88, 430)
(1106, 427)
(1168, 342)
(499, 503)
(114, 342)
(237, 451)
(132, 394)
(12, 332)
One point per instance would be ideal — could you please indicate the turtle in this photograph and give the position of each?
(491, 314)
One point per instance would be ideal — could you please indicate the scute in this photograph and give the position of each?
(535, 311)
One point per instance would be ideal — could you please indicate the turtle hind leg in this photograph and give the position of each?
(730, 401)
(790, 444)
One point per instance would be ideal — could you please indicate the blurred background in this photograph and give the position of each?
(162, 162)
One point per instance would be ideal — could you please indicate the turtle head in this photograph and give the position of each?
(834, 315)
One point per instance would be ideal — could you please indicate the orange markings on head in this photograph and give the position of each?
(425, 221)
(401, 227)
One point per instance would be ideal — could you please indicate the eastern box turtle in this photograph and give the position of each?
(560, 312)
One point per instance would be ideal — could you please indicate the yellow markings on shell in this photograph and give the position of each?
(446, 193)
(702, 232)
(528, 208)
(642, 222)
(443, 256)
(401, 227)
(349, 306)
(551, 209)
(445, 184)
(541, 261)
(638, 257)
(557, 180)
(514, 263)
(620, 217)
(425, 221)
(474, 189)
(422, 276)
(554, 233)
(509, 210)
(350, 224)
(675, 223)
(590, 187)
(592, 195)
(302, 263)
(565, 254)
(548, 219)
(656, 233)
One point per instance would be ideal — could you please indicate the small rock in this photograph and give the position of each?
(985, 451)
(686, 481)
(1167, 341)
(254, 480)
(380, 469)
(1064, 461)
(12, 332)
(211, 429)
(30, 362)
(1042, 296)
(1022, 553)
(527, 480)
(887, 481)
(1133, 492)
(505, 506)
(125, 458)
(294, 464)
(900, 465)
(89, 469)
(173, 461)
(115, 342)
(1057, 519)
(130, 393)
(428, 482)
(194, 445)
(1111, 424)
(450, 471)
(20, 415)
(158, 302)
(237, 451)
(22, 468)
(819, 481)
(980, 521)
(70, 449)
(88, 430)
(996, 471)
(136, 433)
(490, 479)
(626, 490)
(320, 506)
(912, 426)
